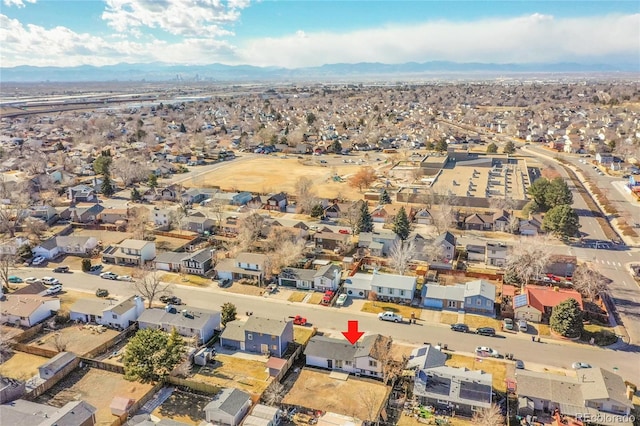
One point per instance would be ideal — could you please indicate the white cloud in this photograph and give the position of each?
(17, 3)
(527, 39)
(201, 18)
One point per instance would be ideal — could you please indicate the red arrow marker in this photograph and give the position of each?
(352, 334)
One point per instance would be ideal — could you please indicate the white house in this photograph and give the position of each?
(188, 322)
(55, 246)
(228, 407)
(327, 278)
(161, 217)
(398, 288)
(263, 415)
(108, 312)
(27, 310)
(130, 252)
(363, 358)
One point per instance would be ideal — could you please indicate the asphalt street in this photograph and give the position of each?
(334, 320)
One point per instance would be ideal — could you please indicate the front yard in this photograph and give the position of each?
(301, 335)
(497, 368)
(448, 318)
(477, 321)
(185, 279)
(402, 310)
(298, 296)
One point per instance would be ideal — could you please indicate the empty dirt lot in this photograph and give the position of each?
(77, 339)
(229, 371)
(22, 366)
(185, 407)
(352, 397)
(273, 174)
(97, 387)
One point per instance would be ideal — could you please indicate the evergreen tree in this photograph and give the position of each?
(566, 319)
(384, 197)
(182, 128)
(365, 221)
(107, 188)
(337, 146)
(562, 220)
(317, 211)
(152, 354)
(401, 224)
(442, 145)
(492, 148)
(153, 181)
(509, 148)
(228, 313)
(102, 163)
(135, 195)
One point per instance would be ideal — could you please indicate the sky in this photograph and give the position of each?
(304, 33)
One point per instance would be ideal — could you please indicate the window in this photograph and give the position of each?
(115, 316)
(273, 337)
(373, 363)
(489, 303)
(338, 363)
(401, 292)
(348, 363)
(478, 302)
(274, 347)
(390, 290)
(249, 336)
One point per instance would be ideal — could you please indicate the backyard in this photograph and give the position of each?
(316, 390)
(185, 407)
(22, 366)
(497, 368)
(231, 371)
(78, 339)
(97, 387)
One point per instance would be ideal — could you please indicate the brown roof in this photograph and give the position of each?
(21, 305)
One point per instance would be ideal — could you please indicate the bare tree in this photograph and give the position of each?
(273, 395)
(528, 259)
(588, 282)
(305, 197)
(401, 253)
(147, 283)
(5, 349)
(514, 224)
(127, 170)
(216, 208)
(352, 215)
(35, 227)
(250, 229)
(137, 222)
(7, 261)
(444, 215)
(60, 342)
(491, 416)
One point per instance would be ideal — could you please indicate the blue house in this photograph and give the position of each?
(262, 335)
(474, 297)
(241, 198)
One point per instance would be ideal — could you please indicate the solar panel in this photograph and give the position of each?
(520, 300)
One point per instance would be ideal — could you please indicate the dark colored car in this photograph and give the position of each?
(61, 269)
(95, 268)
(171, 300)
(462, 328)
(102, 292)
(486, 331)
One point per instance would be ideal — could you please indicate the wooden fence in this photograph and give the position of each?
(193, 385)
(289, 362)
(43, 387)
(34, 350)
(100, 365)
(112, 342)
(119, 421)
(28, 333)
(170, 234)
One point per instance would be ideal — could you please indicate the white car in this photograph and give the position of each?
(578, 365)
(389, 316)
(50, 281)
(109, 276)
(487, 351)
(38, 260)
(124, 278)
(54, 289)
(32, 280)
(522, 325)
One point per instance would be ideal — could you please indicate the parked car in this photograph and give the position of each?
(507, 324)
(486, 331)
(32, 280)
(342, 299)
(54, 289)
(462, 328)
(519, 364)
(299, 320)
(124, 278)
(271, 288)
(102, 292)
(171, 300)
(50, 281)
(95, 268)
(326, 299)
(61, 269)
(389, 316)
(522, 325)
(27, 262)
(344, 231)
(487, 351)
(13, 279)
(38, 260)
(224, 282)
(109, 276)
(578, 365)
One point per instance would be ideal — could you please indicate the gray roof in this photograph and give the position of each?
(170, 257)
(550, 387)
(199, 256)
(229, 401)
(196, 319)
(598, 383)
(340, 349)
(59, 361)
(401, 282)
(26, 413)
(446, 236)
(98, 306)
(233, 330)
(444, 292)
(328, 271)
(472, 248)
(298, 274)
(426, 357)
(453, 384)
(251, 258)
(480, 288)
(272, 327)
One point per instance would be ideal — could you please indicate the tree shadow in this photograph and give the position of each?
(184, 404)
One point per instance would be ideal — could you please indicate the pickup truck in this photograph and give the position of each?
(390, 316)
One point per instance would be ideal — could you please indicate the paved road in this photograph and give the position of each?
(335, 320)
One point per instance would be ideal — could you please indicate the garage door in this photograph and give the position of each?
(287, 283)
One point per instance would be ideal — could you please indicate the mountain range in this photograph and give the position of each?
(336, 72)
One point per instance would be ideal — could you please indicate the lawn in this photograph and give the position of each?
(230, 371)
(298, 296)
(78, 339)
(496, 368)
(316, 298)
(448, 318)
(543, 329)
(352, 397)
(185, 407)
(301, 334)
(404, 311)
(251, 290)
(186, 279)
(69, 297)
(601, 335)
(477, 321)
(22, 366)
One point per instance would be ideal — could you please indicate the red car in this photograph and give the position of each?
(298, 320)
(344, 231)
(328, 295)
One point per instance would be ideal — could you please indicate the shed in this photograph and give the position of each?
(121, 405)
(55, 364)
(203, 356)
(275, 365)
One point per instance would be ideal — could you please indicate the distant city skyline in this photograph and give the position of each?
(308, 33)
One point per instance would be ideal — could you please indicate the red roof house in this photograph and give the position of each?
(536, 303)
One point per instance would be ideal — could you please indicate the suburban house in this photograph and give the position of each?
(109, 313)
(474, 297)
(378, 242)
(55, 364)
(592, 394)
(497, 221)
(45, 212)
(263, 415)
(130, 252)
(82, 194)
(27, 310)
(462, 389)
(329, 240)
(446, 243)
(10, 389)
(161, 217)
(476, 253)
(51, 248)
(561, 265)
(82, 213)
(114, 216)
(197, 195)
(496, 254)
(228, 407)
(169, 261)
(530, 227)
(537, 302)
(262, 335)
(198, 263)
(277, 202)
(188, 322)
(392, 287)
(23, 412)
(196, 223)
(245, 265)
(363, 358)
(325, 278)
(425, 357)
(423, 217)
